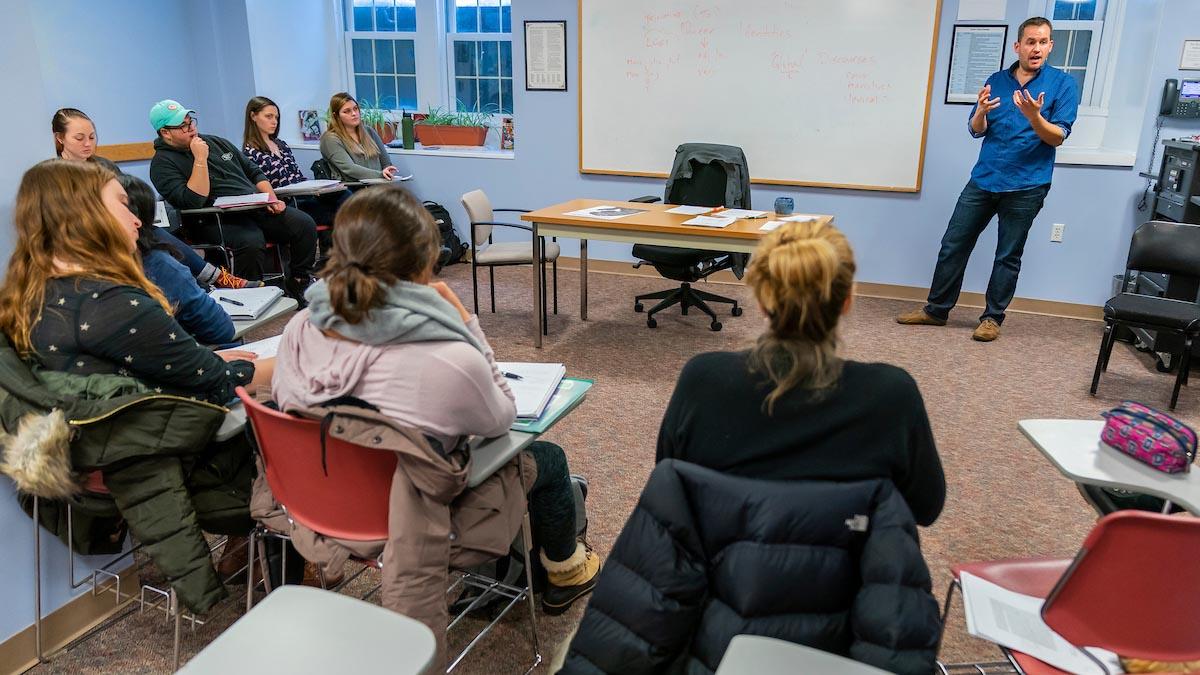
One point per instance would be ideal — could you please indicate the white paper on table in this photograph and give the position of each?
(691, 210)
(318, 186)
(265, 348)
(605, 212)
(770, 225)
(709, 221)
(741, 213)
(1015, 621)
(532, 385)
(800, 217)
(242, 200)
(982, 10)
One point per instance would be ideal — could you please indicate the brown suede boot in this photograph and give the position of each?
(919, 317)
(569, 579)
(987, 331)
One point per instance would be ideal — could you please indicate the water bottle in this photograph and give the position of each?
(406, 130)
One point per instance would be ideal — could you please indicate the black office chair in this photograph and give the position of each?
(1165, 248)
(696, 180)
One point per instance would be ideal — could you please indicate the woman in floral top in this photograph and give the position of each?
(261, 143)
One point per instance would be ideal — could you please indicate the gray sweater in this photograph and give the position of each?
(347, 165)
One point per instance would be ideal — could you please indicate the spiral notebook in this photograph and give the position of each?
(246, 303)
(532, 384)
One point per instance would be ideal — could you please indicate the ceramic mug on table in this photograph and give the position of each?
(784, 206)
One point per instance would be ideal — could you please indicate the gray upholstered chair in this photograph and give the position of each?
(485, 253)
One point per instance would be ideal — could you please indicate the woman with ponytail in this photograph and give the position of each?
(379, 328)
(790, 408)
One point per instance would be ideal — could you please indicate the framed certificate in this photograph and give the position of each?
(546, 55)
(1190, 59)
(975, 53)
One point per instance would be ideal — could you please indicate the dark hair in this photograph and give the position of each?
(250, 135)
(58, 125)
(381, 235)
(1033, 21)
(142, 204)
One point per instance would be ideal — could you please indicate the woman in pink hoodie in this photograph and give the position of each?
(378, 328)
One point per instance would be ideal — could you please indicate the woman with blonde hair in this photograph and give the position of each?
(354, 151)
(76, 299)
(790, 408)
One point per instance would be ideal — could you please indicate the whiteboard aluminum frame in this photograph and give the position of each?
(998, 28)
(562, 24)
(915, 187)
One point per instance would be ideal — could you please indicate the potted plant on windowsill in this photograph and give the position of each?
(445, 127)
(380, 120)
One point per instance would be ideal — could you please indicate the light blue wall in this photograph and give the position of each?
(895, 235)
(112, 59)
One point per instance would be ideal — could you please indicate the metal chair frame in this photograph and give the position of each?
(227, 252)
(492, 267)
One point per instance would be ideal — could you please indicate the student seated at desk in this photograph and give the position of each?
(75, 141)
(354, 151)
(75, 304)
(198, 313)
(262, 144)
(790, 408)
(378, 328)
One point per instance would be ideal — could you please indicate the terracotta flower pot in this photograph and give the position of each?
(386, 131)
(437, 134)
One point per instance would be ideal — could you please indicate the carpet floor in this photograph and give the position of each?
(1004, 498)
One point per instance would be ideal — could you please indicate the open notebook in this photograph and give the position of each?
(246, 303)
(532, 384)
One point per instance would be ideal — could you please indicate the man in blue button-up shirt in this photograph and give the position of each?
(1022, 115)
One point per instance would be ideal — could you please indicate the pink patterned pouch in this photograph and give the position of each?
(1150, 436)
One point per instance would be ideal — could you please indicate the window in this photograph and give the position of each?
(381, 39)
(1078, 32)
(479, 48)
(460, 60)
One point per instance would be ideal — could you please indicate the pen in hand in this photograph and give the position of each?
(511, 376)
(231, 301)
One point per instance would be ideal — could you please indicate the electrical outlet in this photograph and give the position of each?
(1056, 233)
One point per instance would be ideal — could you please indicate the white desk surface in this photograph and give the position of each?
(297, 629)
(1074, 447)
(282, 305)
(758, 655)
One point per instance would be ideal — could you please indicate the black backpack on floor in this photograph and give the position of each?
(453, 247)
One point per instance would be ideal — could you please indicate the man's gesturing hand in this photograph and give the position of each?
(1028, 105)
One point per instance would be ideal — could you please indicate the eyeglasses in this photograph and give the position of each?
(188, 123)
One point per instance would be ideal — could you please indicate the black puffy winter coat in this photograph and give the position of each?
(706, 556)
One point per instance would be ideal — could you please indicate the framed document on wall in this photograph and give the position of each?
(546, 55)
(975, 53)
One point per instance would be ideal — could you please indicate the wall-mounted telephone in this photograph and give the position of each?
(1180, 100)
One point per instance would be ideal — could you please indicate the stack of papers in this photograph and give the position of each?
(692, 210)
(605, 212)
(310, 187)
(709, 221)
(568, 395)
(242, 200)
(532, 384)
(1015, 621)
(246, 303)
(160, 214)
(740, 213)
(799, 218)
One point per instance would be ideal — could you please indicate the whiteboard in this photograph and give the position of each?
(831, 93)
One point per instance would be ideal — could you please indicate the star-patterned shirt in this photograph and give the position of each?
(91, 326)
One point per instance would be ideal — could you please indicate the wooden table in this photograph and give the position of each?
(653, 226)
(1074, 447)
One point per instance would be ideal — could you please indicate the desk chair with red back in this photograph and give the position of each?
(1132, 589)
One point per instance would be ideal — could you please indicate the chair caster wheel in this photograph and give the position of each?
(737, 311)
(716, 325)
(637, 307)
(651, 323)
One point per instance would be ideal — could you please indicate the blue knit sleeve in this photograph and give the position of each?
(199, 314)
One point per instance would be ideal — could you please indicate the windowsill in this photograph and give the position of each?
(440, 151)
(1094, 157)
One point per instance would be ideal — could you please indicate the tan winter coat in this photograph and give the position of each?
(434, 522)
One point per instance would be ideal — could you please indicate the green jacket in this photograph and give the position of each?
(166, 479)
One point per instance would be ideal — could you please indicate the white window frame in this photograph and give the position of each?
(434, 51)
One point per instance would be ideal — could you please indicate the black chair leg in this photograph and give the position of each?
(1102, 355)
(674, 299)
(657, 295)
(475, 285)
(1112, 341)
(545, 302)
(1185, 362)
(492, 286)
(554, 265)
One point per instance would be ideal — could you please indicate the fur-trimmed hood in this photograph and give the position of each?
(38, 456)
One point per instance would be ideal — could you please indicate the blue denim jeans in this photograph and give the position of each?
(972, 213)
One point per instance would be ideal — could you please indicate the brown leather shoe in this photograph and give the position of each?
(919, 317)
(987, 331)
